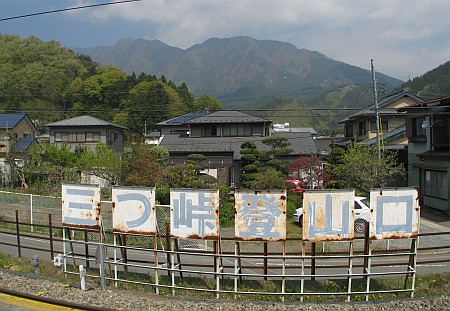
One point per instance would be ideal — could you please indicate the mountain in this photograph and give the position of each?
(235, 68)
(434, 83)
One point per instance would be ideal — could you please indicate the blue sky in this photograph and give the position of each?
(404, 38)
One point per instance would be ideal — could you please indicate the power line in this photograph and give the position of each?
(66, 9)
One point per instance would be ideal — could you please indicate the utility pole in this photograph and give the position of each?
(377, 112)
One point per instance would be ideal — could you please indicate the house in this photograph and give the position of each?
(87, 132)
(219, 135)
(17, 134)
(362, 127)
(428, 131)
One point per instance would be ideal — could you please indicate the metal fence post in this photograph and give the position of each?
(265, 260)
(31, 212)
(18, 234)
(313, 261)
(50, 233)
(86, 248)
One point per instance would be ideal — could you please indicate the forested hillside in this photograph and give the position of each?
(434, 83)
(51, 83)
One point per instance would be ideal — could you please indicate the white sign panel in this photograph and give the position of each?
(395, 213)
(81, 206)
(328, 215)
(260, 215)
(194, 214)
(134, 210)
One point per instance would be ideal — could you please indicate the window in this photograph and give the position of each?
(383, 127)
(209, 130)
(61, 136)
(362, 130)
(436, 184)
(112, 137)
(440, 132)
(416, 129)
(349, 131)
(81, 137)
(92, 136)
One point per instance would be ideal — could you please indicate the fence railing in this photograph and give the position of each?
(293, 270)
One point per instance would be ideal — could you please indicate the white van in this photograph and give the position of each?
(362, 214)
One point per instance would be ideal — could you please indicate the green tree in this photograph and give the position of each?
(206, 102)
(105, 91)
(271, 178)
(279, 146)
(144, 168)
(361, 170)
(250, 164)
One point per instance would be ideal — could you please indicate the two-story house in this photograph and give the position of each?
(362, 127)
(17, 134)
(15, 131)
(428, 131)
(87, 132)
(219, 135)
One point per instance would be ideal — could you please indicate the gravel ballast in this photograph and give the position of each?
(112, 298)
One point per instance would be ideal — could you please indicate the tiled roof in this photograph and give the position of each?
(227, 116)
(370, 111)
(10, 120)
(398, 132)
(84, 121)
(24, 143)
(302, 143)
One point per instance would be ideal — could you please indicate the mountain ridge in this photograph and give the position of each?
(222, 67)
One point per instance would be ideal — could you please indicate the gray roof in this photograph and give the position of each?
(398, 132)
(84, 121)
(227, 116)
(302, 143)
(370, 111)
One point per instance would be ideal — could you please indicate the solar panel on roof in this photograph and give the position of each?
(187, 117)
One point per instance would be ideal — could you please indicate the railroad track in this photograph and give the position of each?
(35, 302)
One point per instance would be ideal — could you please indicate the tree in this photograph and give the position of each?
(309, 170)
(107, 164)
(279, 146)
(144, 168)
(269, 179)
(361, 170)
(206, 102)
(250, 164)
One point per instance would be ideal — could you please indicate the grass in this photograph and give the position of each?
(426, 285)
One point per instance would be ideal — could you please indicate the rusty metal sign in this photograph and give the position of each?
(81, 206)
(134, 210)
(260, 215)
(394, 213)
(194, 214)
(328, 215)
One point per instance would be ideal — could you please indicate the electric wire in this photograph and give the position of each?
(66, 9)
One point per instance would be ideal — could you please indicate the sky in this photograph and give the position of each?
(404, 38)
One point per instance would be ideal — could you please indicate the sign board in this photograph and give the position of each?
(328, 215)
(81, 206)
(395, 213)
(194, 214)
(260, 215)
(134, 210)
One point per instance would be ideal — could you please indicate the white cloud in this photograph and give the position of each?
(399, 34)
